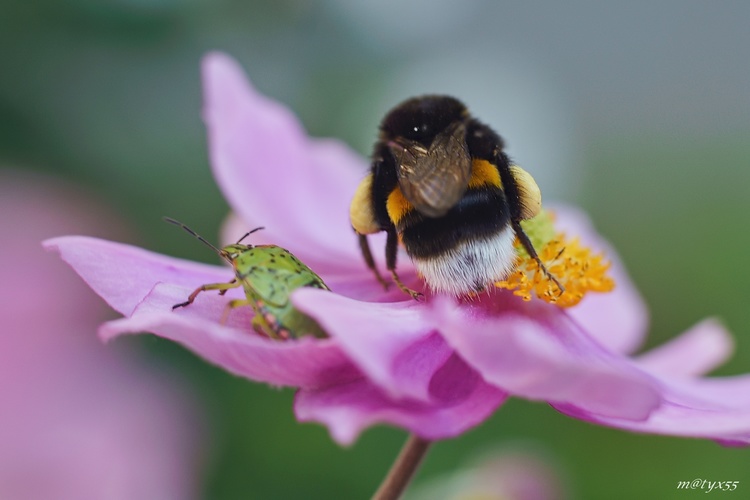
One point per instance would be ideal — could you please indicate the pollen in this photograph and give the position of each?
(573, 264)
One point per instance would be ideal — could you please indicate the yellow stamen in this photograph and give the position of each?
(575, 266)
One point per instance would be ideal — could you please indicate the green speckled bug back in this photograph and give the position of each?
(269, 274)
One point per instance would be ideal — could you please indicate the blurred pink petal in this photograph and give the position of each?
(503, 474)
(96, 430)
(79, 422)
(697, 351)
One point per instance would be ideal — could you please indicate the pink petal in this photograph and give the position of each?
(305, 362)
(698, 351)
(544, 358)
(91, 426)
(714, 408)
(618, 319)
(123, 275)
(272, 174)
(34, 207)
(708, 408)
(77, 421)
(390, 342)
(460, 401)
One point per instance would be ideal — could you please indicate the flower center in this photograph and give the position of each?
(574, 265)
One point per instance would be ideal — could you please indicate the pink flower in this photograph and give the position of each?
(435, 368)
(78, 421)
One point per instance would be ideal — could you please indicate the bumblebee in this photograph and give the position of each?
(441, 184)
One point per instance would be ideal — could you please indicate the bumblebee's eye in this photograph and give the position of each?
(422, 132)
(422, 118)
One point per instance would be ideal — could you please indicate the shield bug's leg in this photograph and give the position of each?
(231, 305)
(264, 322)
(526, 242)
(391, 249)
(364, 245)
(222, 292)
(261, 326)
(213, 286)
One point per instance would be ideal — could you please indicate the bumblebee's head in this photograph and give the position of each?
(422, 118)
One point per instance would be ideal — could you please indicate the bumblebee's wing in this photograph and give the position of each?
(434, 179)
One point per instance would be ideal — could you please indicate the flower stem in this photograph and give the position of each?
(403, 469)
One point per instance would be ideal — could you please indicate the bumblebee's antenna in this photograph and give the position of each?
(200, 238)
(246, 234)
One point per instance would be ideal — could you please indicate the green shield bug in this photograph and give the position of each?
(268, 274)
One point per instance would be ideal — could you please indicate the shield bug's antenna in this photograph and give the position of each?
(248, 234)
(200, 238)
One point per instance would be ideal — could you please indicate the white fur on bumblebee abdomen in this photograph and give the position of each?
(471, 266)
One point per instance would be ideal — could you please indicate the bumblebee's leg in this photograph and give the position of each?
(364, 245)
(526, 242)
(222, 292)
(391, 250)
(213, 286)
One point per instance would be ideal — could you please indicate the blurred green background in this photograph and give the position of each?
(638, 111)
